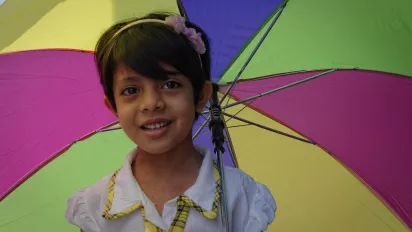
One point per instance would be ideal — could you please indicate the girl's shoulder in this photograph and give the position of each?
(241, 181)
(83, 205)
(249, 199)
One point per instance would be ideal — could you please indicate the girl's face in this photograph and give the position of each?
(156, 115)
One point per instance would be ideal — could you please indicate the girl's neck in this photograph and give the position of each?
(163, 177)
(182, 159)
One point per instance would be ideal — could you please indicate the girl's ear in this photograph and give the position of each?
(109, 106)
(204, 96)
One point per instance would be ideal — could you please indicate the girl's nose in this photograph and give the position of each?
(151, 100)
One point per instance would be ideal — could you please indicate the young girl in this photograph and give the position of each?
(155, 72)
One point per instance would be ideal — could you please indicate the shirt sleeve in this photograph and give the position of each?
(256, 207)
(78, 213)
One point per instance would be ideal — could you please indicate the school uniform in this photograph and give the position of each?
(116, 203)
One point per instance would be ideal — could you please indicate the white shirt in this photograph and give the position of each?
(250, 204)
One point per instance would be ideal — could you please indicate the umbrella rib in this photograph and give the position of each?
(203, 116)
(280, 88)
(227, 102)
(269, 129)
(229, 145)
(253, 52)
(244, 107)
(242, 125)
(110, 129)
(201, 127)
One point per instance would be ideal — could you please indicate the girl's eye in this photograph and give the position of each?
(171, 85)
(129, 91)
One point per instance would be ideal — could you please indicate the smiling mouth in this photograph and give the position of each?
(156, 126)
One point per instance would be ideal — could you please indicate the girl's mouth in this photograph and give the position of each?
(156, 126)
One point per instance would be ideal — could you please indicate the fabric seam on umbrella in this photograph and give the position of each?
(51, 49)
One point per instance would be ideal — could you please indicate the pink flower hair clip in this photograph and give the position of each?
(178, 24)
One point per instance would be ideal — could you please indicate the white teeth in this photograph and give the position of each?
(155, 126)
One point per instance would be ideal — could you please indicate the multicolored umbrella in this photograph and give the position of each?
(327, 90)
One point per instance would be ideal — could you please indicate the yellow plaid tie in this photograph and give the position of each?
(184, 204)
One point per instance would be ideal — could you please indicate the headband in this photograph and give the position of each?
(178, 24)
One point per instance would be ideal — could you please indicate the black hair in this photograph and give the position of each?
(143, 47)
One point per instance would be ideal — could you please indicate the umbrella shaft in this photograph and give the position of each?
(224, 216)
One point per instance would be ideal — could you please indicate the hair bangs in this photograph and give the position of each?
(144, 47)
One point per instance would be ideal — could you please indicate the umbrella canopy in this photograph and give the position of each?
(353, 179)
